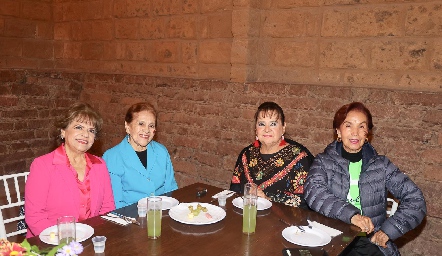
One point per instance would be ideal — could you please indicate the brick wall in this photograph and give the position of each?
(163, 38)
(371, 44)
(29, 104)
(26, 34)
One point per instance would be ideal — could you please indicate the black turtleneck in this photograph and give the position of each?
(352, 157)
(142, 155)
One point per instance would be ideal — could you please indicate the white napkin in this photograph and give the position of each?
(116, 219)
(331, 231)
(229, 193)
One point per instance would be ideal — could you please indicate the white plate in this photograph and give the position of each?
(166, 202)
(82, 232)
(263, 203)
(180, 213)
(196, 230)
(312, 237)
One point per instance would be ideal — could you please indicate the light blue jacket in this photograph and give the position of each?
(130, 180)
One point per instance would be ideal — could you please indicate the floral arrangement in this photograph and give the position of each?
(25, 249)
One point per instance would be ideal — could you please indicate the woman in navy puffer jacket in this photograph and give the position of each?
(349, 181)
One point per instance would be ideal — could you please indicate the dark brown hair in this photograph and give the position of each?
(270, 108)
(82, 112)
(139, 107)
(342, 113)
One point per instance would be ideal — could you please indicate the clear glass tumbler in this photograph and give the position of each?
(66, 229)
(154, 214)
(250, 204)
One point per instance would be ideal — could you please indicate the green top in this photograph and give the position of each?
(353, 194)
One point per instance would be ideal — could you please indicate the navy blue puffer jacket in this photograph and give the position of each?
(328, 183)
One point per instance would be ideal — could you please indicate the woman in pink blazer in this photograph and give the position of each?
(68, 181)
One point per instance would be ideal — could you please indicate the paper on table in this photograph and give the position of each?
(229, 193)
(114, 218)
(331, 231)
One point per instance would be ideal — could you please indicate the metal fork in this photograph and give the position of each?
(127, 219)
(309, 225)
(301, 228)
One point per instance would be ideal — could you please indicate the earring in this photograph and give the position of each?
(283, 142)
(256, 143)
(339, 139)
(366, 140)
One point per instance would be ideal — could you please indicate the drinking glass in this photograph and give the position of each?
(222, 198)
(99, 243)
(154, 214)
(142, 208)
(250, 201)
(66, 229)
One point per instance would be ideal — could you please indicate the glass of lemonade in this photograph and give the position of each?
(154, 214)
(250, 201)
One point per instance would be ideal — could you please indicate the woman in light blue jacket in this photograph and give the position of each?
(139, 166)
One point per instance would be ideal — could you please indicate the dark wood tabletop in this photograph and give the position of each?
(222, 238)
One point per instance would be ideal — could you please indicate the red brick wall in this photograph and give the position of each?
(371, 44)
(383, 44)
(29, 104)
(163, 38)
(26, 34)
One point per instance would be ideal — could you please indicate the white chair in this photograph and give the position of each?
(391, 210)
(14, 200)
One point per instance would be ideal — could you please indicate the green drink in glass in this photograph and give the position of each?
(249, 219)
(154, 223)
(250, 203)
(154, 214)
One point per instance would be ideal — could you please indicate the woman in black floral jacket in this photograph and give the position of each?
(277, 165)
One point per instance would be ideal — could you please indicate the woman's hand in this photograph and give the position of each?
(262, 194)
(380, 239)
(363, 222)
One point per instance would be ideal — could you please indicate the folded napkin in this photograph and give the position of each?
(229, 193)
(116, 219)
(331, 231)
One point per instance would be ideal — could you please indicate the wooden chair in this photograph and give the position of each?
(392, 209)
(14, 199)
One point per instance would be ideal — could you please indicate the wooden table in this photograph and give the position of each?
(222, 238)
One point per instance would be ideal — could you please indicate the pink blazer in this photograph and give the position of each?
(51, 191)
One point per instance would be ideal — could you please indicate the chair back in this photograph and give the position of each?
(392, 209)
(12, 199)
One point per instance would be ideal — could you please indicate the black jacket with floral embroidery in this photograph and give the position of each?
(281, 176)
